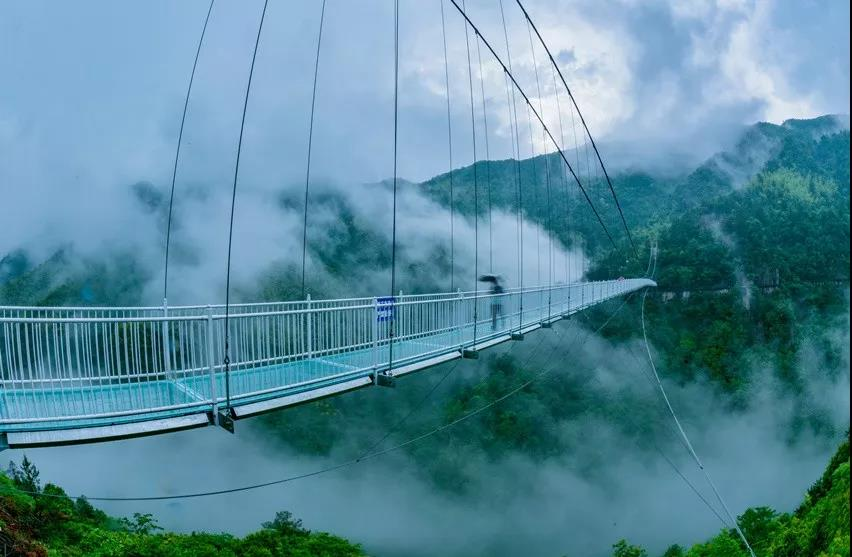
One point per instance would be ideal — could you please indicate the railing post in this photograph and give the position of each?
(211, 367)
(310, 324)
(166, 348)
(375, 334)
(459, 324)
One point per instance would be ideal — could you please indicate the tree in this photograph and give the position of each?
(674, 551)
(26, 476)
(141, 524)
(285, 525)
(624, 549)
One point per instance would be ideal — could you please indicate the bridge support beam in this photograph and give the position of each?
(226, 419)
(546, 324)
(385, 380)
(517, 336)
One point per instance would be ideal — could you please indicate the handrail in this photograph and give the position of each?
(61, 370)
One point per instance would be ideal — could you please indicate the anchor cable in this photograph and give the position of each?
(684, 436)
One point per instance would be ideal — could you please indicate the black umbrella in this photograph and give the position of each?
(488, 278)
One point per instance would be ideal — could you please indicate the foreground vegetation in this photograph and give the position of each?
(38, 521)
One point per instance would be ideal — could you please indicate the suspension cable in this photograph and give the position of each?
(529, 104)
(487, 161)
(578, 221)
(516, 146)
(177, 153)
(450, 149)
(310, 145)
(592, 139)
(475, 189)
(590, 182)
(564, 181)
(536, 200)
(227, 358)
(391, 327)
(546, 180)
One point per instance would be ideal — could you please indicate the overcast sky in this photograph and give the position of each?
(92, 91)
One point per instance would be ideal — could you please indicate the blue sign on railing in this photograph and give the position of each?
(384, 308)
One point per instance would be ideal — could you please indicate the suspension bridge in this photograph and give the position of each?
(72, 375)
(76, 374)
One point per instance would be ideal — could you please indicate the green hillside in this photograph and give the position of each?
(52, 524)
(818, 528)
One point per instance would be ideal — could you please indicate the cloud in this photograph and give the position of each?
(607, 487)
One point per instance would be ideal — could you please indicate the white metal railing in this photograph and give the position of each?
(79, 365)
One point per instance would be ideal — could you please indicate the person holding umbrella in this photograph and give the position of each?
(496, 298)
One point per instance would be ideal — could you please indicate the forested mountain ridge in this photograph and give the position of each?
(353, 244)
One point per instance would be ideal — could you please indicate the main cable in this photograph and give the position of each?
(594, 146)
(227, 358)
(310, 145)
(529, 104)
(177, 153)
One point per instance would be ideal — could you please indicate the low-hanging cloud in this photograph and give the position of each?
(606, 488)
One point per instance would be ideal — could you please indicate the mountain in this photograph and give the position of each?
(819, 527)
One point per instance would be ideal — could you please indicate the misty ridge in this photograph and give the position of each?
(582, 448)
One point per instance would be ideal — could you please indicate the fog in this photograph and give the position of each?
(552, 507)
(90, 106)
